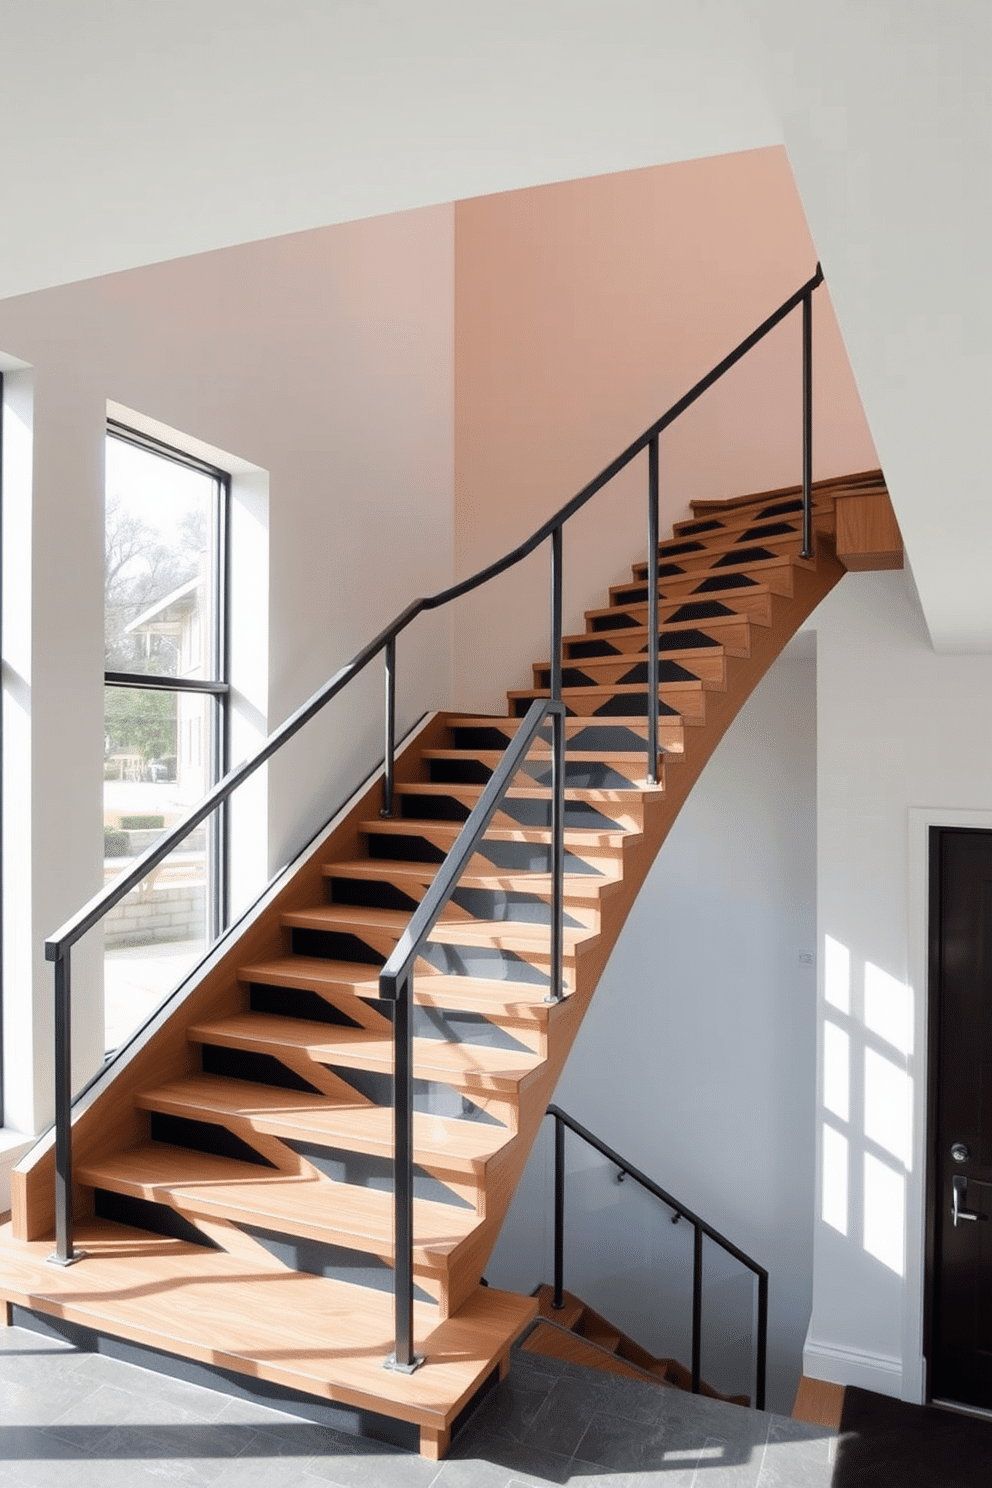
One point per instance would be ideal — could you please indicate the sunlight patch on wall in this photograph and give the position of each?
(889, 1008)
(837, 974)
(835, 1162)
(837, 1071)
(889, 1107)
(884, 1214)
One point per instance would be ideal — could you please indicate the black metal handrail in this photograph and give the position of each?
(700, 1228)
(396, 979)
(58, 946)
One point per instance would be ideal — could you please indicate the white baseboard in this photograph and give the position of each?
(841, 1366)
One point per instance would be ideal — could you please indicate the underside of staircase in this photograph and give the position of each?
(232, 1169)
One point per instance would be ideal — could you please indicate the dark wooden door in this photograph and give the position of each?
(960, 1137)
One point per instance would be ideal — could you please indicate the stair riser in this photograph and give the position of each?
(774, 575)
(785, 543)
(365, 1167)
(477, 768)
(606, 672)
(453, 949)
(731, 636)
(513, 857)
(516, 812)
(682, 704)
(494, 1096)
(696, 608)
(470, 904)
(348, 1262)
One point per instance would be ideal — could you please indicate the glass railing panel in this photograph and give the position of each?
(625, 1258)
(730, 1294)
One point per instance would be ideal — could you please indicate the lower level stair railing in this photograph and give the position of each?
(677, 1211)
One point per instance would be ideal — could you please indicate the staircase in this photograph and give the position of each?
(232, 1169)
(580, 1335)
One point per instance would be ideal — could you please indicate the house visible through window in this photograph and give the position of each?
(165, 714)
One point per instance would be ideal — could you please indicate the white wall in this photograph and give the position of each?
(904, 738)
(324, 363)
(694, 1060)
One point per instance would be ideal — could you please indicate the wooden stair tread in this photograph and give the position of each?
(750, 597)
(207, 1305)
(721, 540)
(707, 667)
(577, 886)
(325, 1119)
(358, 1048)
(568, 1315)
(339, 1213)
(822, 492)
(604, 1338)
(492, 757)
(572, 1348)
(669, 584)
(412, 827)
(429, 989)
(509, 725)
(511, 934)
(470, 791)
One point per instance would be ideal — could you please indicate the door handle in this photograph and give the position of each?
(959, 1194)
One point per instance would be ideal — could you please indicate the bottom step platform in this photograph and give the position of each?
(302, 1333)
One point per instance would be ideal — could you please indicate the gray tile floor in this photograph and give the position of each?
(68, 1416)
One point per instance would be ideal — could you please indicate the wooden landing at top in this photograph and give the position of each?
(249, 1314)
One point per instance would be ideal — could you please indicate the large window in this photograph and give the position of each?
(165, 713)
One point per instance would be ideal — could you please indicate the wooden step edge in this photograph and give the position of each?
(436, 1139)
(302, 971)
(715, 653)
(825, 489)
(578, 888)
(604, 1338)
(574, 836)
(668, 627)
(714, 596)
(755, 565)
(549, 1339)
(509, 723)
(216, 1317)
(695, 564)
(316, 1041)
(579, 756)
(725, 539)
(608, 794)
(362, 1218)
(446, 931)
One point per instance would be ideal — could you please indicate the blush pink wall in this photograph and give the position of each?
(582, 311)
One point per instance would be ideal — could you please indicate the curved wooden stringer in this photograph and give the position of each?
(233, 1172)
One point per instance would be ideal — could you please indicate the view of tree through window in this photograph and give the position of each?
(162, 619)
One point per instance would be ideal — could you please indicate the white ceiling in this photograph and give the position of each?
(138, 130)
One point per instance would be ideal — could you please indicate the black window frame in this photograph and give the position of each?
(219, 686)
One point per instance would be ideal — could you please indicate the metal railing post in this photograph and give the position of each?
(697, 1305)
(762, 1348)
(806, 551)
(64, 1253)
(556, 989)
(653, 611)
(389, 667)
(403, 1359)
(558, 1301)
